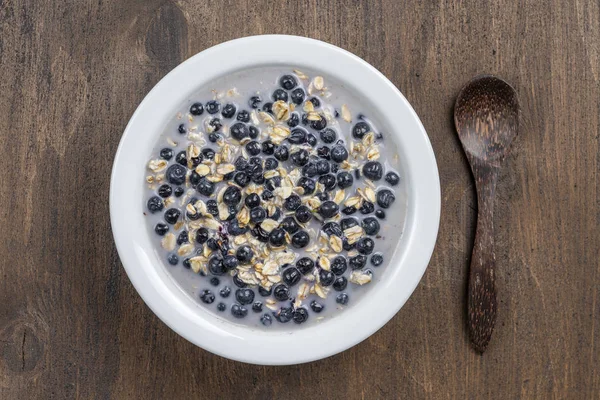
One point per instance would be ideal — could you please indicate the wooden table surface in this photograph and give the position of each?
(71, 323)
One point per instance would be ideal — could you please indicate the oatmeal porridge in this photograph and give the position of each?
(273, 196)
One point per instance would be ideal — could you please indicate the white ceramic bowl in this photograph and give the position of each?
(298, 344)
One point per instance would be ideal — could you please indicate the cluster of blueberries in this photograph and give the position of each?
(265, 156)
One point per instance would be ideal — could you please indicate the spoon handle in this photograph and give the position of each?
(482, 304)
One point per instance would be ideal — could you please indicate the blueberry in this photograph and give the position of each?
(303, 214)
(328, 135)
(221, 307)
(253, 148)
(266, 320)
(281, 292)
(307, 184)
(294, 120)
(300, 315)
(339, 153)
(181, 129)
(322, 167)
(334, 167)
(178, 192)
(349, 210)
(232, 195)
(348, 223)
(252, 200)
(309, 170)
(228, 110)
(173, 259)
(181, 158)
(367, 207)
(208, 153)
(377, 259)
(205, 187)
(244, 296)
(380, 214)
(172, 215)
(268, 147)
(300, 239)
(358, 262)
(342, 298)
(326, 277)
(176, 174)
(288, 82)
(166, 153)
(291, 276)
(292, 203)
(277, 237)
(182, 238)
(214, 137)
(254, 101)
(238, 282)
(264, 292)
(340, 284)
(284, 315)
(187, 264)
(339, 265)
(243, 116)
(164, 191)
(244, 254)
(271, 163)
(300, 157)
(239, 311)
(289, 225)
(332, 228)
(305, 265)
(241, 163)
(311, 140)
(360, 130)
(215, 281)
(230, 262)
(316, 306)
(304, 119)
(212, 208)
(241, 178)
(344, 179)
(392, 178)
(371, 226)
(258, 178)
(298, 96)
(212, 244)
(257, 306)
(213, 107)
(195, 178)
(253, 132)
(258, 215)
(207, 296)
(328, 180)
(373, 170)
(216, 124)
(260, 234)
(365, 245)
(216, 266)
(297, 136)
(324, 152)
(385, 198)
(196, 109)
(239, 131)
(279, 94)
(328, 209)
(268, 107)
(225, 292)
(319, 124)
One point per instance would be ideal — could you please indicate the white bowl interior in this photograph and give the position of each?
(200, 326)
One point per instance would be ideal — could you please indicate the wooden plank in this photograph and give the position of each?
(71, 324)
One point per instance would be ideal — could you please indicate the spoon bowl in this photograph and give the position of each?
(486, 115)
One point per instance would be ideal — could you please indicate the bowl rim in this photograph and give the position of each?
(182, 314)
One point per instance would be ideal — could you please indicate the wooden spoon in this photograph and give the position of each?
(486, 115)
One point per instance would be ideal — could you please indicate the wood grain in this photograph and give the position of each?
(71, 324)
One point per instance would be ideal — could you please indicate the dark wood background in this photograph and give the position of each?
(72, 325)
